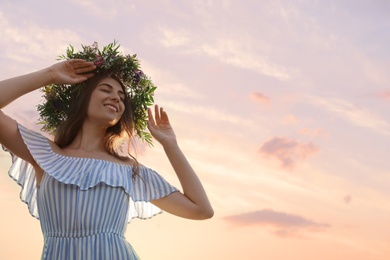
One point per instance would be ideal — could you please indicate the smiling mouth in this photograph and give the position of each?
(113, 108)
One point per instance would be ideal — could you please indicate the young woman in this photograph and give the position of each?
(80, 186)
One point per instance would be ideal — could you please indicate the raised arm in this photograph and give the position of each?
(193, 202)
(66, 72)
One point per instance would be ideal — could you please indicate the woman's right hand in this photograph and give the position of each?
(71, 71)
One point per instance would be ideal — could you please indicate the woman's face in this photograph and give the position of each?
(106, 104)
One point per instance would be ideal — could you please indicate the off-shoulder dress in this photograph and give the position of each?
(85, 204)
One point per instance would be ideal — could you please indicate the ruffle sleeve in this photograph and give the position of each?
(24, 175)
(86, 173)
(149, 185)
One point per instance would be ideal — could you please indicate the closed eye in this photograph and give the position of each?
(108, 89)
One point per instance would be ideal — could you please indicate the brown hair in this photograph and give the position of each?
(115, 135)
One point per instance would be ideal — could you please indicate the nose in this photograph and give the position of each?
(115, 97)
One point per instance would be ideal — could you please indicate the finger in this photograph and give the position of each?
(165, 117)
(80, 63)
(150, 118)
(84, 69)
(81, 66)
(157, 114)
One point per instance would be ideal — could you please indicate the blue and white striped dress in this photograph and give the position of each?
(84, 204)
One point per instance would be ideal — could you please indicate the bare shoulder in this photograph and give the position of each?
(11, 138)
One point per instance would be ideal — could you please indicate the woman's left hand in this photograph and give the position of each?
(159, 126)
(192, 203)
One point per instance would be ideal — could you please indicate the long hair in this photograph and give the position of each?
(115, 135)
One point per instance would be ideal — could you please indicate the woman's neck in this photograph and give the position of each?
(89, 139)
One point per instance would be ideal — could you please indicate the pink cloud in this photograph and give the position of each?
(260, 98)
(287, 151)
(291, 120)
(282, 224)
(385, 95)
(347, 199)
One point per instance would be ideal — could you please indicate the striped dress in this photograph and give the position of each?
(85, 204)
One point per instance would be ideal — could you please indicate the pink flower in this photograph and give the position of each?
(99, 61)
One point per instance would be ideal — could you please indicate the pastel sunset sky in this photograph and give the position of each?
(282, 107)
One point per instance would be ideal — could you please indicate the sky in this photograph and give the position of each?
(282, 108)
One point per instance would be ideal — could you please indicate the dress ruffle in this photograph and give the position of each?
(86, 173)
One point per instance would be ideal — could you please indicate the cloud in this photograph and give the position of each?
(31, 44)
(291, 120)
(168, 83)
(283, 224)
(353, 113)
(385, 95)
(260, 98)
(102, 10)
(287, 151)
(347, 199)
(174, 38)
(210, 113)
(235, 52)
(232, 52)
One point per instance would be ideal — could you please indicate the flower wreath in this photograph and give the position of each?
(139, 87)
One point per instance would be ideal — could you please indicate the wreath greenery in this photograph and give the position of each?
(139, 87)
